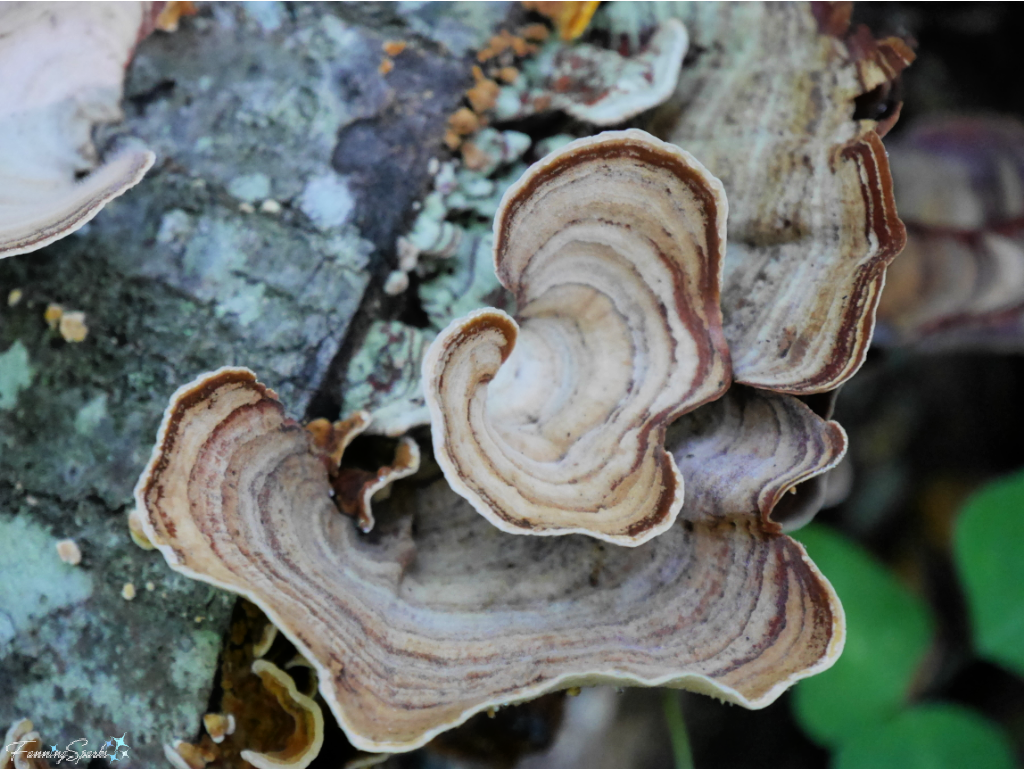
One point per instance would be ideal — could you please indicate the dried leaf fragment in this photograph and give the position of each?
(171, 13)
(570, 18)
(554, 422)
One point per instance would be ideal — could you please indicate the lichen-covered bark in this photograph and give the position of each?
(194, 269)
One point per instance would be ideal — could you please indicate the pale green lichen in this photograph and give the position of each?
(466, 283)
(91, 415)
(250, 187)
(55, 699)
(384, 377)
(456, 25)
(203, 647)
(15, 374)
(34, 582)
(269, 15)
(327, 201)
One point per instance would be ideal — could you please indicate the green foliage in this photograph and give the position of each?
(928, 737)
(677, 729)
(988, 547)
(888, 633)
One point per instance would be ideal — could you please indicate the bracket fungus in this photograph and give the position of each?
(641, 352)
(438, 615)
(769, 109)
(960, 281)
(747, 453)
(554, 423)
(64, 66)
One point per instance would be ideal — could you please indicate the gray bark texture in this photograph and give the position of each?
(190, 271)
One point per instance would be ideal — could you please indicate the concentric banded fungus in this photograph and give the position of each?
(745, 452)
(768, 107)
(440, 615)
(612, 247)
(64, 65)
(960, 281)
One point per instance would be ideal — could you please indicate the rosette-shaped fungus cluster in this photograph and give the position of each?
(650, 402)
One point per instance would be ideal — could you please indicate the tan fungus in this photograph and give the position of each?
(553, 422)
(959, 284)
(440, 615)
(26, 740)
(768, 108)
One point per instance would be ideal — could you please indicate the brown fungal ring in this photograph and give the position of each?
(613, 248)
(411, 632)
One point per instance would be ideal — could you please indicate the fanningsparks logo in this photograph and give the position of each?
(114, 749)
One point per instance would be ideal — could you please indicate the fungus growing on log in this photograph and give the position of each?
(23, 739)
(64, 66)
(959, 284)
(745, 453)
(554, 422)
(769, 108)
(440, 615)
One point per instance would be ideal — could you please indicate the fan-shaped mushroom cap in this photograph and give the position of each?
(768, 109)
(440, 615)
(63, 66)
(960, 281)
(745, 452)
(612, 248)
